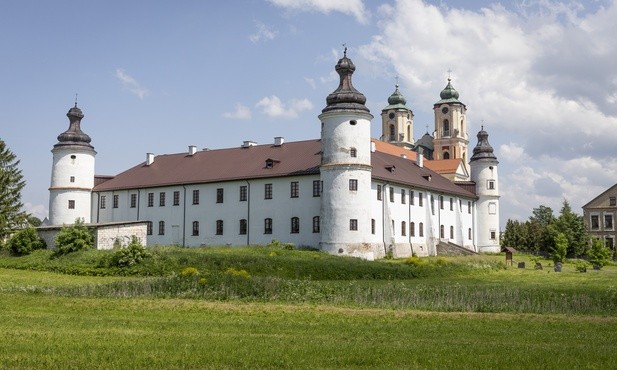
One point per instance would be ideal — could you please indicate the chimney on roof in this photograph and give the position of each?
(248, 143)
(404, 156)
(192, 149)
(149, 158)
(373, 147)
(420, 157)
(278, 141)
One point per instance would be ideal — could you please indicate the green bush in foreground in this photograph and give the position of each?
(25, 241)
(599, 254)
(74, 238)
(130, 255)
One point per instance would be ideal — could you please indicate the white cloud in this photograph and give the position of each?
(37, 210)
(272, 106)
(310, 81)
(264, 33)
(354, 8)
(542, 77)
(241, 112)
(130, 84)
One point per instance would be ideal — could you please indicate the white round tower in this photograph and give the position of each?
(483, 165)
(72, 174)
(346, 168)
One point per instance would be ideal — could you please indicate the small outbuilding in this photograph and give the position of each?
(509, 251)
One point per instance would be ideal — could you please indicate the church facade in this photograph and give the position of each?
(345, 193)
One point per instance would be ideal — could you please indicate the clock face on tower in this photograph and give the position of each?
(391, 115)
(444, 110)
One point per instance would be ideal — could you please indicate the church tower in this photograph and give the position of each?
(72, 173)
(484, 173)
(397, 121)
(451, 138)
(346, 168)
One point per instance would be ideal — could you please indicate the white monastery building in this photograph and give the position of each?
(345, 193)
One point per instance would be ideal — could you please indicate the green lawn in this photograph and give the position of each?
(300, 309)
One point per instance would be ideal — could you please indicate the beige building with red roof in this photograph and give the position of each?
(345, 193)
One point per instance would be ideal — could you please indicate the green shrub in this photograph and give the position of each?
(581, 266)
(189, 271)
(25, 241)
(74, 238)
(414, 261)
(130, 255)
(560, 249)
(599, 254)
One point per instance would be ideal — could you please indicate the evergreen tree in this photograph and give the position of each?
(514, 236)
(541, 230)
(11, 184)
(571, 225)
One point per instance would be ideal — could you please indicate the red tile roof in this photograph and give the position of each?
(290, 159)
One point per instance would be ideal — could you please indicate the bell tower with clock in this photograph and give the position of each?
(397, 121)
(451, 138)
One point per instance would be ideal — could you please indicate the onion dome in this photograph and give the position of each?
(74, 135)
(345, 97)
(483, 149)
(426, 141)
(396, 100)
(448, 95)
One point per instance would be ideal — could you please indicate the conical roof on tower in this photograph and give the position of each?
(448, 95)
(483, 149)
(74, 135)
(345, 97)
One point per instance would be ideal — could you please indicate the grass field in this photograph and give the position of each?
(453, 314)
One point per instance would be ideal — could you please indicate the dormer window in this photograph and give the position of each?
(271, 162)
(391, 168)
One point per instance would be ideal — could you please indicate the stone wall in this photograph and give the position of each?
(104, 234)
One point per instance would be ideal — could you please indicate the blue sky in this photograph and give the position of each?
(157, 76)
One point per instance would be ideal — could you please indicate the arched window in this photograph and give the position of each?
(392, 133)
(268, 226)
(243, 226)
(295, 225)
(462, 126)
(446, 127)
(446, 155)
(403, 228)
(412, 229)
(408, 132)
(421, 229)
(316, 224)
(195, 228)
(441, 232)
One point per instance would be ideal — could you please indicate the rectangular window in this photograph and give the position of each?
(71, 204)
(353, 152)
(451, 232)
(294, 189)
(469, 233)
(493, 234)
(243, 193)
(403, 229)
(243, 226)
(378, 192)
(195, 228)
(441, 232)
(116, 200)
(609, 243)
(608, 222)
(441, 202)
(420, 199)
(411, 197)
(403, 196)
(412, 229)
(373, 226)
(353, 184)
(150, 199)
(492, 208)
(295, 225)
(133, 200)
(391, 194)
(162, 199)
(451, 204)
(316, 224)
(595, 222)
(219, 227)
(219, 195)
(72, 179)
(268, 226)
(316, 188)
(103, 201)
(491, 184)
(469, 207)
(176, 198)
(612, 201)
(149, 227)
(195, 196)
(161, 227)
(268, 191)
(353, 224)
